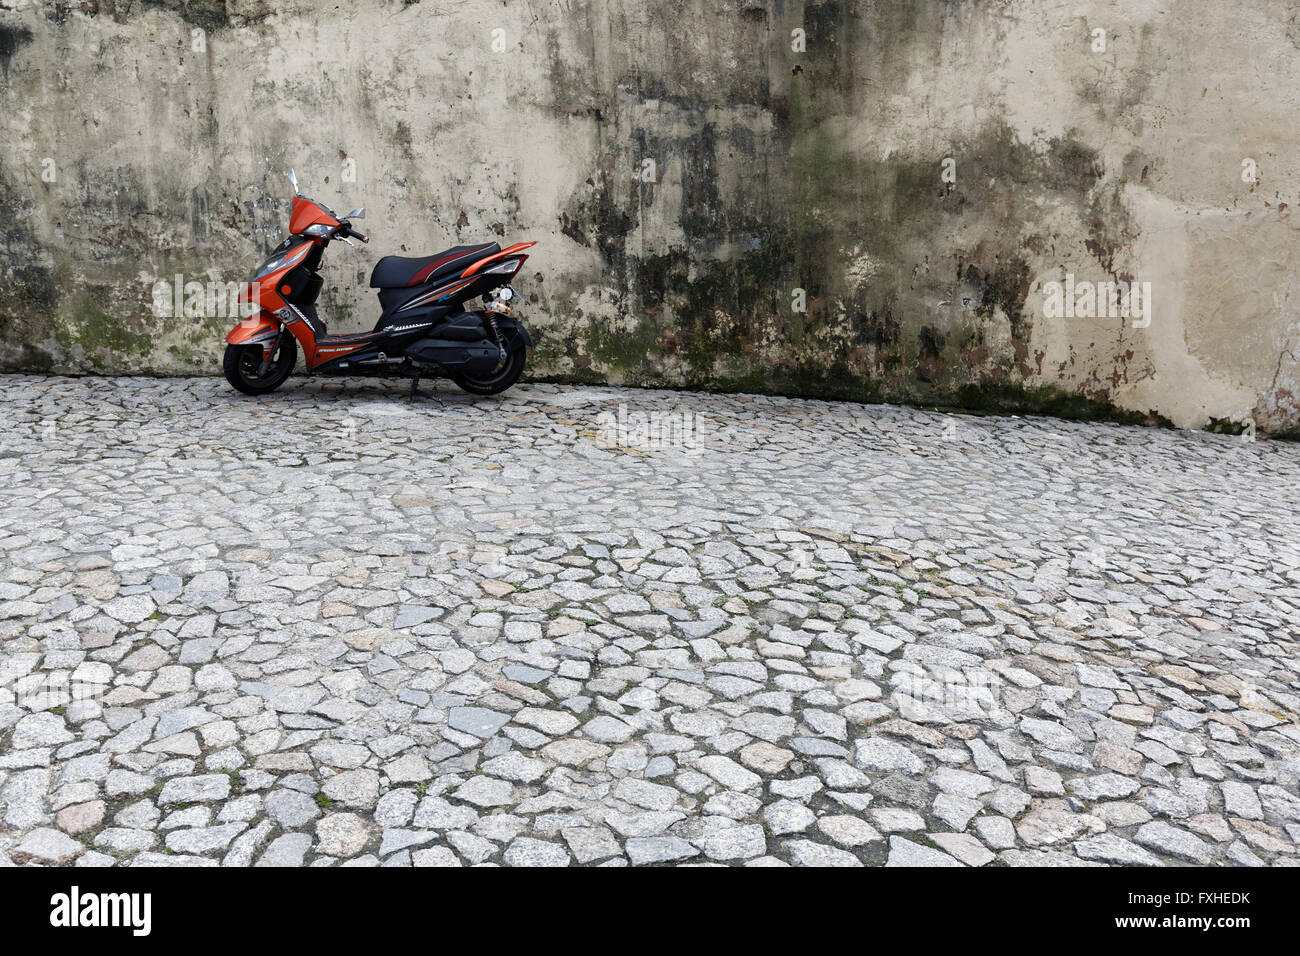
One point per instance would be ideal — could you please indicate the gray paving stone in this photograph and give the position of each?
(735, 843)
(342, 835)
(526, 851)
(588, 844)
(906, 853)
(287, 850)
(290, 808)
(1110, 848)
(48, 846)
(810, 853)
(876, 753)
(665, 849)
(205, 787)
(479, 721)
(1173, 841)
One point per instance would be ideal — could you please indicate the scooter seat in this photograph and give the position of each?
(395, 272)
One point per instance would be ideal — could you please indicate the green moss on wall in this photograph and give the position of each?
(83, 322)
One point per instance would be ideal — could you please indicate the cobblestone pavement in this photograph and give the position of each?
(332, 626)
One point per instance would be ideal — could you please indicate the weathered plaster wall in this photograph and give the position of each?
(776, 170)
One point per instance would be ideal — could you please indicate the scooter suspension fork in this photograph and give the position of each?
(269, 354)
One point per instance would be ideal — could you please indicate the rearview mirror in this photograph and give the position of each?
(358, 213)
(293, 179)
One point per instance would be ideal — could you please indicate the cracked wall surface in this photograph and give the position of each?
(144, 140)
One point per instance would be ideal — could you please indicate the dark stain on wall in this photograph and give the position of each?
(28, 291)
(718, 308)
(207, 14)
(11, 38)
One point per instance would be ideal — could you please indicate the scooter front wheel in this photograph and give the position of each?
(242, 364)
(499, 379)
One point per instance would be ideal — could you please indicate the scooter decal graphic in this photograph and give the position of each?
(443, 293)
(433, 267)
(453, 289)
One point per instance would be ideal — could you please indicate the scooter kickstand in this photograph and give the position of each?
(416, 391)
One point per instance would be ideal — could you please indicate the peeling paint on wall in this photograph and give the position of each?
(912, 178)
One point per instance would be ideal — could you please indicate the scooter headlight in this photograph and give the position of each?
(278, 259)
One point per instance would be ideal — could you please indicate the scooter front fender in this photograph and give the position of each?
(255, 329)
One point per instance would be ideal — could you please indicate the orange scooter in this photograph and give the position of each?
(424, 327)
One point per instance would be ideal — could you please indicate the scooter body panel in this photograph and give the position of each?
(474, 358)
(255, 329)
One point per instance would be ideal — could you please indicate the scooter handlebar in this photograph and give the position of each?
(346, 229)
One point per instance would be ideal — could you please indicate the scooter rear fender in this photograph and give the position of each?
(514, 331)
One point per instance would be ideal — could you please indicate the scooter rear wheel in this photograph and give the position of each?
(241, 364)
(499, 379)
